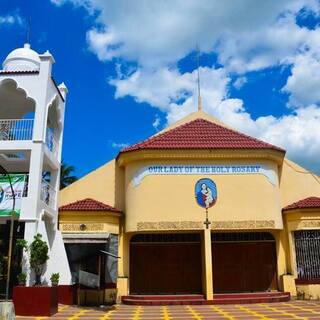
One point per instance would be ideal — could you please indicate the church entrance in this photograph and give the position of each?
(165, 264)
(244, 262)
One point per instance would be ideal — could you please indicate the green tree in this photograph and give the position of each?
(66, 175)
(38, 256)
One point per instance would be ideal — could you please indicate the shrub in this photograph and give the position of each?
(55, 279)
(38, 256)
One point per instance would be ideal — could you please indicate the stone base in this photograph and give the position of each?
(7, 310)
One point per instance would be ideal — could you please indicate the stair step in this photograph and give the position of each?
(165, 297)
(147, 300)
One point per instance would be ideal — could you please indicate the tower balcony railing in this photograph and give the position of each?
(16, 129)
(51, 142)
(48, 193)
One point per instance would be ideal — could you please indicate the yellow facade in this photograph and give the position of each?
(166, 203)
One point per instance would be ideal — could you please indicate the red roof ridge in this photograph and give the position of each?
(201, 134)
(307, 203)
(88, 204)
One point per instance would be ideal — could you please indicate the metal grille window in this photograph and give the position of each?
(307, 245)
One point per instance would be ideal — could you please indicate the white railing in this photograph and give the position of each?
(51, 142)
(48, 194)
(16, 129)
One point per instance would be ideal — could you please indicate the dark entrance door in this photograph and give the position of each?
(244, 262)
(165, 264)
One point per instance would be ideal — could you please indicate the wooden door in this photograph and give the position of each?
(244, 266)
(165, 268)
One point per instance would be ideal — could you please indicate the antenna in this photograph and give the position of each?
(28, 32)
(198, 71)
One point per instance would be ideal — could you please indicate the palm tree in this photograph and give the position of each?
(66, 177)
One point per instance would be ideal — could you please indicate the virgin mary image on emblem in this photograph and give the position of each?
(206, 193)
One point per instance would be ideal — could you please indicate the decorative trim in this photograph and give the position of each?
(246, 224)
(81, 227)
(169, 225)
(198, 225)
(266, 154)
(309, 224)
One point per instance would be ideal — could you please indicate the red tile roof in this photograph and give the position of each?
(88, 205)
(308, 203)
(201, 134)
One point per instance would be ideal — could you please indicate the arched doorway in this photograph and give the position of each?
(244, 262)
(165, 264)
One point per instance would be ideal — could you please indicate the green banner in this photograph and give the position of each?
(6, 198)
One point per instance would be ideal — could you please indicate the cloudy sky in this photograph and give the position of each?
(130, 67)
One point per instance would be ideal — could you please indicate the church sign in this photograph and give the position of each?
(233, 169)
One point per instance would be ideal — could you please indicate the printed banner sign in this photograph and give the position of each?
(234, 169)
(6, 199)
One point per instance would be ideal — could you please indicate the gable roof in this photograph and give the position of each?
(201, 134)
(308, 203)
(88, 204)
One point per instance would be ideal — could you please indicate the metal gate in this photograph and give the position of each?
(307, 245)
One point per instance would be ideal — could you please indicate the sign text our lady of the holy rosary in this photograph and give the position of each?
(232, 169)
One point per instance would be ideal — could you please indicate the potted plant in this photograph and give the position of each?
(42, 300)
(22, 279)
(38, 256)
(55, 279)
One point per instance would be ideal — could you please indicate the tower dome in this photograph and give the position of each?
(22, 59)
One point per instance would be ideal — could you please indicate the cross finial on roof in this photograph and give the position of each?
(198, 70)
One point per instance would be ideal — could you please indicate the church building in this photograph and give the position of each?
(197, 209)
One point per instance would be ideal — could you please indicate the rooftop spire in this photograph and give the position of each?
(198, 71)
(28, 31)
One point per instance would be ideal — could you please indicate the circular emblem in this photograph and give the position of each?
(206, 193)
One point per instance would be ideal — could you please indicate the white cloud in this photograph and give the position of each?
(296, 132)
(245, 35)
(156, 33)
(303, 83)
(11, 19)
(156, 123)
(240, 82)
(119, 145)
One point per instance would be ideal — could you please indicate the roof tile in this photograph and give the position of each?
(201, 134)
(308, 203)
(88, 205)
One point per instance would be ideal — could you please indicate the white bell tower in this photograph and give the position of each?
(32, 108)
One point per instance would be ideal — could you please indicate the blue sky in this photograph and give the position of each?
(130, 68)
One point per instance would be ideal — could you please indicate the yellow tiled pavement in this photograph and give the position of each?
(302, 310)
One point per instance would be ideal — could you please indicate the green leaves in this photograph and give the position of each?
(38, 256)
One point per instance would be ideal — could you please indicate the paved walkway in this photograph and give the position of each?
(285, 310)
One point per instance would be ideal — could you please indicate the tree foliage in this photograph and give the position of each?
(38, 256)
(66, 175)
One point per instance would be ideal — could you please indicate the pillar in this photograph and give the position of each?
(123, 267)
(207, 264)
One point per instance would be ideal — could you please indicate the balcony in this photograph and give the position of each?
(22, 130)
(47, 195)
(16, 129)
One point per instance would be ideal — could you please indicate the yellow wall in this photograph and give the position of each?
(299, 220)
(104, 184)
(95, 221)
(297, 183)
(171, 198)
